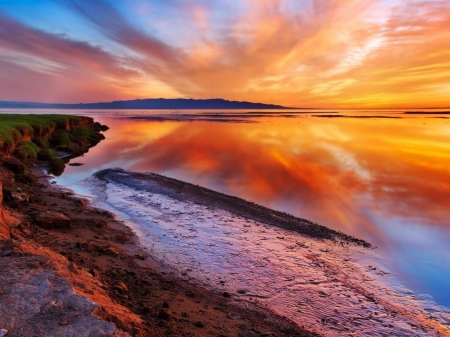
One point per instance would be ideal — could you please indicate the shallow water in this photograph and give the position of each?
(383, 180)
(335, 289)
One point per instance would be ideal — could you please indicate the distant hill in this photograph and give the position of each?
(151, 103)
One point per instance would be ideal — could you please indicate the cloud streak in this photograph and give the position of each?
(352, 53)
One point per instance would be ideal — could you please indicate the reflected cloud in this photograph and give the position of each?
(349, 174)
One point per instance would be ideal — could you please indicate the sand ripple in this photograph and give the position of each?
(335, 289)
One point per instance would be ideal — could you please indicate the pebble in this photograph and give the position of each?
(199, 324)
(3, 332)
(163, 314)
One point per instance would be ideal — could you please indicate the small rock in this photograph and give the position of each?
(16, 195)
(81, 202)
(121, 238)
(122, 287)
(111, 251)
(140, 255)
(199, 324)
(137, 332)
(93, 272)
(73, 268)
(189, 294)
(3, 332)
(99, 223)
(164, 314)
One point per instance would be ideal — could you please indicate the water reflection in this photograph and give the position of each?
(383, 180)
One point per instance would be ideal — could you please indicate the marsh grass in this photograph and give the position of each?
(26, 150)
(31, 137)
(14, 127)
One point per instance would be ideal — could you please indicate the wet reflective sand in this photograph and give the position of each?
(332, 287)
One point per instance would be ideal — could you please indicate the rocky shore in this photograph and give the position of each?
(70, 269)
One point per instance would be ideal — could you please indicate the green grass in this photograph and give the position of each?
(31, 137)
(15, 127)
(26, 150)
(41, 142)
(46, 154)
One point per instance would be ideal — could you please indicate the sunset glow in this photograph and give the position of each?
(298, 53)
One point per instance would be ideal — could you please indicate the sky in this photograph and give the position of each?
(297, 53)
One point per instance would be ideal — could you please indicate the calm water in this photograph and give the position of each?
(386, 180)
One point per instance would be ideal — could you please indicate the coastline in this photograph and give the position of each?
(324, 281)
(98, 260)
(102, 259)
(146, 255)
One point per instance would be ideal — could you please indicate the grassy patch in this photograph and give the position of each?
(31, 137)
(14, 127)
(61, 138)
(46, 154)
(91, 134)
(41, 142)
(57, 166)
(26, 151)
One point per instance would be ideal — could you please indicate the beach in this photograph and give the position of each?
(131, 285)
(100, 282)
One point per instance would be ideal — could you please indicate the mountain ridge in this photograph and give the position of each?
(148, 103)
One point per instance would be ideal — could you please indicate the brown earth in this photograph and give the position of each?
(57, 251)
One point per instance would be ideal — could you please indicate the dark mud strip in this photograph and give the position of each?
(181, 190)
(427, 112)
(359, 116)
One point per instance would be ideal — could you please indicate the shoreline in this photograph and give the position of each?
(97, 259)
(329, 267)
(101, 259)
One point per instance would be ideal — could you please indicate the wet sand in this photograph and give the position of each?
(320, 279)
(92, 277)
(146, 255)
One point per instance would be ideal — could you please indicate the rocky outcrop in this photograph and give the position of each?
(39, 284)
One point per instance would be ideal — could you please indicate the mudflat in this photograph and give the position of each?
(119, 290)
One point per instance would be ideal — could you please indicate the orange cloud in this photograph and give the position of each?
(352, 53)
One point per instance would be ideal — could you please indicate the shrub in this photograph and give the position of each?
(61, 138)
(26, 150)
(46, 154)
(57, 166)
(41, 142)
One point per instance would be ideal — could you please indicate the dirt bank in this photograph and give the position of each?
(71, 269)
